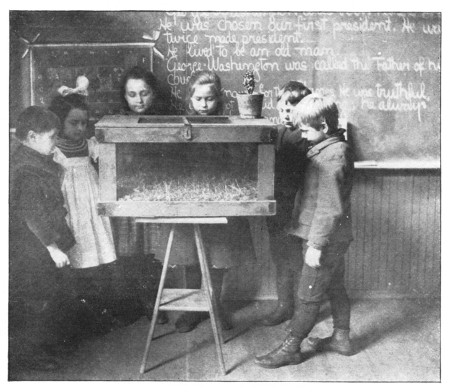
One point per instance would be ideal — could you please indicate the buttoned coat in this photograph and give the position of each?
(322, 211)
(37, 219)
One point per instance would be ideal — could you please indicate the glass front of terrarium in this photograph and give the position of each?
(195, 172)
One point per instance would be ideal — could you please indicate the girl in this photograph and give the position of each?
(94, 248)
(139, 92)
(204, 94)
(224, 244)
(140, 95)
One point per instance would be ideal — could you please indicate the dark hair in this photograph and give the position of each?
(316, 108)
(297, 90)
(62, 106)
(139, 73)
(200, 78)
(37, 119)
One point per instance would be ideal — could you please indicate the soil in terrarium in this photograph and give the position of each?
(200, 172)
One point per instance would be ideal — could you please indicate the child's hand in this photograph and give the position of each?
(312, 257)
(58, 256)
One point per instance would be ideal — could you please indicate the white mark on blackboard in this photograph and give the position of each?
(408, 27)
(419, 66)
(359, 65)
(364, 25)
(432, 29)
(242, 25)
(432, 66)
(197, 24)
(296, 66)
(393, 99)
(331, 63)
(166, 24)
(389, 64)
(314, 51)
(282, 25)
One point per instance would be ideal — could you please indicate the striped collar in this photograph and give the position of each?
(66, 145)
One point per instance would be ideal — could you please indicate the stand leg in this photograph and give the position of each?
(158, 298)
(217, 331)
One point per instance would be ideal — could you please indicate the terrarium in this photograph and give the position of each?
(186, 166)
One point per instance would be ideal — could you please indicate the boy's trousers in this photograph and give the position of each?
(315, 284)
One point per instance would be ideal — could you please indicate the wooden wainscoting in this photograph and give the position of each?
(396, 250)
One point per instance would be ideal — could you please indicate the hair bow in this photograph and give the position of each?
(81, 88)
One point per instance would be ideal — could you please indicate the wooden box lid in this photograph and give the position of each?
(184, 129)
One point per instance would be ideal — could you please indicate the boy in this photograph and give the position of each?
(39, 238)
(322, 219)
(291, 149)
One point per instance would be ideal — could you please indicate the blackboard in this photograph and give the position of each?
(382, 68)
(56, 65)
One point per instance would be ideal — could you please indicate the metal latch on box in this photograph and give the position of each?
(187, 131)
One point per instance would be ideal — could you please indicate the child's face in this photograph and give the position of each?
(75, 125)
(204, 100)
(285, 109)
(312, 134)
(138, 95)
(44, 143)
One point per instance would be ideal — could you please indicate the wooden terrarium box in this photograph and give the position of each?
(186, 166)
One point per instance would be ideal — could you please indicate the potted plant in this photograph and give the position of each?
(249, 103)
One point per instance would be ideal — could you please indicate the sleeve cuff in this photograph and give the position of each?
(314, 245)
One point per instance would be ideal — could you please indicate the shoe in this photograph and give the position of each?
(339, 342)
(283, 312)
(189, 320)
(288, 353)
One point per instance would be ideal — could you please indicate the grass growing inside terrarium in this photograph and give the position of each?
(206, 186)
(198, 173)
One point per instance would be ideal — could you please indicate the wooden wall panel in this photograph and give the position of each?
(396, 250)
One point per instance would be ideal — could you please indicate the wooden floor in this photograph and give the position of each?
(396, 340)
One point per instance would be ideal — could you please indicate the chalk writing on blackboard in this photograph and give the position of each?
(382, 68)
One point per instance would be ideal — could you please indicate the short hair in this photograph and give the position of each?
(37, 119)
(62, 106)
(316, 108)
(203, 77)
(297, 91)
(138, 73)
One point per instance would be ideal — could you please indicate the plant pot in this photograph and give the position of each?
(250, 106)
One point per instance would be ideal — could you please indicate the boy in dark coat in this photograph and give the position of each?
(291, 149)
(322, 219)
(39, 238)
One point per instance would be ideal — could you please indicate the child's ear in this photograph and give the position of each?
(324, 127)
(31, 135)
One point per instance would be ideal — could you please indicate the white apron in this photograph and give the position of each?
(94, 241)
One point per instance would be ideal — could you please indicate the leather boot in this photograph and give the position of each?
(288, 353)
(338, 342)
